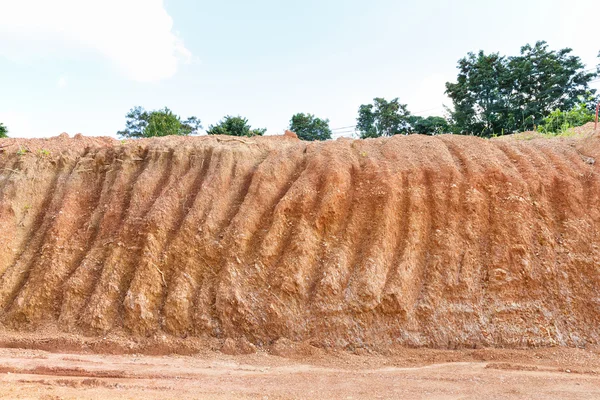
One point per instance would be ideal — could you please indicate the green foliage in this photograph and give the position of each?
(558, 122)
(498, 95)
(3, 131)
(234, 126)
(428, 126)
(382, 118)
(308, 127)
(141, 123)
(44, 152)
(191, 125)
(477, 96)
(21, 151)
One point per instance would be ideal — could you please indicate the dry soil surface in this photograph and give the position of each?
(411, 374)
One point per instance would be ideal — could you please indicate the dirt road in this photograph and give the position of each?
(532, 374)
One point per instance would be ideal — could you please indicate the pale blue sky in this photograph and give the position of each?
(79, 66)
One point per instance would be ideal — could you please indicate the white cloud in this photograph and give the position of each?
(62, 82)
(136, 35)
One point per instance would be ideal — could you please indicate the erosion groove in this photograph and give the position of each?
(418, 241)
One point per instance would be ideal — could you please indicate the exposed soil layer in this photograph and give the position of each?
(444, 242)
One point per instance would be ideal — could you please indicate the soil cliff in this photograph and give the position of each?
(444, 241)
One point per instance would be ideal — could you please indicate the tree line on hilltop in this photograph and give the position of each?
(538, 89)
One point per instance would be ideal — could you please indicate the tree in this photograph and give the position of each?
(234, 126)
(141, 123)
(479, 96)
(308, 127)
(382, 118)
(496, 94)
(428, 126)
(545, 81)
(3, 131)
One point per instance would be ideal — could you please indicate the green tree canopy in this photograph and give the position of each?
(308, 127)
(3, 130)
(428, 126)
(141, 123)
(234, 126)
(497, 95)
(382, 118)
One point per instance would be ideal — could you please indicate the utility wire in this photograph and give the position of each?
(343, 127)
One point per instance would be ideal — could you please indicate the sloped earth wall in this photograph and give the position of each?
(445, 241)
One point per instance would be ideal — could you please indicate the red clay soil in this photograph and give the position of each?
(442, 242)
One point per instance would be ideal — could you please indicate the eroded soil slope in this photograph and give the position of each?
(427, 241)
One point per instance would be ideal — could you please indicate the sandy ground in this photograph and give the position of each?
(532, 374)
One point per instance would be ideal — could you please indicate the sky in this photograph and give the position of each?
(78, 66)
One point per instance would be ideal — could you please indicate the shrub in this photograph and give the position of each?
(560, 121)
